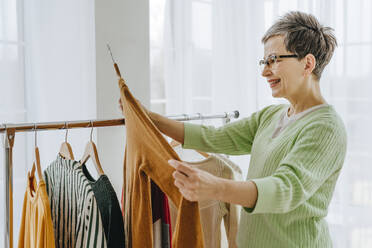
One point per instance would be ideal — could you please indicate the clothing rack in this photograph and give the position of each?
(10, 130)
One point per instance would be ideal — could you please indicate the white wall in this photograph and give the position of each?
(59, 72)
(69, 76)
(125, 26)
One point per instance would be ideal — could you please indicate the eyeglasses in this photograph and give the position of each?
(272, 59)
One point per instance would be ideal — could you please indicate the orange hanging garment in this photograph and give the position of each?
(146, 156)
(36, 229)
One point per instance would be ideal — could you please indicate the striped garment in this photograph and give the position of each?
(75, 214)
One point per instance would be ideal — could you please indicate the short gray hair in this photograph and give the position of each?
(303, 34)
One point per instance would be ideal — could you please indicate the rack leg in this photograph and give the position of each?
(8, 149)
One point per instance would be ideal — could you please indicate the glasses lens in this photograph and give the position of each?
(271, 60)
(262, 64)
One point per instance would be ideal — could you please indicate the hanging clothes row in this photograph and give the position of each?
(70, 208)
(75, 210)
(40, 226)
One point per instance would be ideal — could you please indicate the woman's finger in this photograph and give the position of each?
(179, 184)
(182, 167)
(179, 176)
(187, 182)
(188, 195)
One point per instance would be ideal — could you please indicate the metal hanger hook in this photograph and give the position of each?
(226, 119)
(109, 49)
(91, 131)
(66, 126)
(35, 135)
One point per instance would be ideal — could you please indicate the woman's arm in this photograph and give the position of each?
(235, 138)
(171, 128)
(317, 156)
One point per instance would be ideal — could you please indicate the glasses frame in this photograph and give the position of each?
(272, 59)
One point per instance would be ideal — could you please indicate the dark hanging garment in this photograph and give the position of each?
(109, 208)
(162, 233)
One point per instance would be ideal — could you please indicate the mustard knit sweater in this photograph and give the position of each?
(146, 157)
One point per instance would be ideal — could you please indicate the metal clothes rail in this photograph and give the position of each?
(10, 131)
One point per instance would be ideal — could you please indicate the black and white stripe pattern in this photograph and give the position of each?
(75, 214)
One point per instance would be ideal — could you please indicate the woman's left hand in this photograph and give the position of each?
(194, 184)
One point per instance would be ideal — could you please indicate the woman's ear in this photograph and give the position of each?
(310, 63)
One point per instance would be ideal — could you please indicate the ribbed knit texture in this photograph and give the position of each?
(295, 173)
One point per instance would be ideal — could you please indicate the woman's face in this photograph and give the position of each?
(285, 77)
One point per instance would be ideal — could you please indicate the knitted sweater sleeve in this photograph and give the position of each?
(317, 153)
(235, 138)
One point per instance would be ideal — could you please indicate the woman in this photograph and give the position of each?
(297, 150)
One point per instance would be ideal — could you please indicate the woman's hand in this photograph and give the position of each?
(194, 184)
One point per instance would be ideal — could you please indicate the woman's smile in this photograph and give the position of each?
(273, 82)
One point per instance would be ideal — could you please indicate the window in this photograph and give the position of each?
(176, 97)
(209, 60)
(44, 57)
(158, 100)
(12, 101)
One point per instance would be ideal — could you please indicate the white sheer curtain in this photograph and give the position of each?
(47, 73)
(12, 101)
(211, 50)
(60, 70)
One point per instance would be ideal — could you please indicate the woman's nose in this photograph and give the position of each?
(266, 71)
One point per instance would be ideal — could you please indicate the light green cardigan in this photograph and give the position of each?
(295, 173)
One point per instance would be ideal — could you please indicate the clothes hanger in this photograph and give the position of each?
(113, 61)
(32, 173)
(37, 158)
(91, 152)
(65, 150)
(32, 183)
